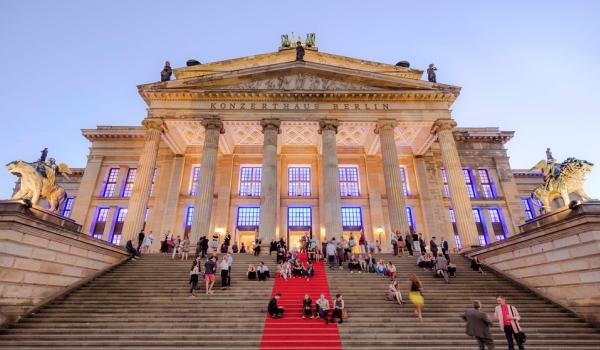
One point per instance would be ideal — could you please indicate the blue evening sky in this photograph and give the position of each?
(528, 66)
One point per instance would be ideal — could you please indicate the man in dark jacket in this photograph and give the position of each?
(409, 243)
(433, 246)
(274, 310)
(478, 326)
(444, 245)
(141, 237)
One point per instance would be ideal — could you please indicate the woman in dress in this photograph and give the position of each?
(194, 272)
(243, 249)
(251, 273)
(148, 242)
(391, 271)
(393, 293)
(307, 307)
(185, 248)
(416, 295)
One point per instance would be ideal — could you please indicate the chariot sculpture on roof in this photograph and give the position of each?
(38, 180)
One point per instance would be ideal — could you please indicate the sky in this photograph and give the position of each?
(528, 66)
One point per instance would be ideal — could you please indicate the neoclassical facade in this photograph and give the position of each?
(267, 145)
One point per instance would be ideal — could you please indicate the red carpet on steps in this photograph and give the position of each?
(291, 331)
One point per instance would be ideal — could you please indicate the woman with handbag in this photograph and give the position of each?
(508, 319)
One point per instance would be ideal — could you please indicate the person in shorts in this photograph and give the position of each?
(210, 267)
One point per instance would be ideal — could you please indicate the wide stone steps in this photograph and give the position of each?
(375, 323)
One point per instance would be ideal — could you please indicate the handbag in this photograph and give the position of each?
(344, 314)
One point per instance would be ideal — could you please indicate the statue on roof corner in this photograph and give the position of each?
(431, 73)
(561, 180)
(285, 41)
(165, 74)
(299, 51)
(38, 180)
(310, 40)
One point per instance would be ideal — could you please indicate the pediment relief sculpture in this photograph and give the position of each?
(300, 81)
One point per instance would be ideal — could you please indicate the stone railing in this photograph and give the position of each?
(557, 256)
(42, 256)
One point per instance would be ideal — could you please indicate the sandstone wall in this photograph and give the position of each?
(558, 256)
(41, 255)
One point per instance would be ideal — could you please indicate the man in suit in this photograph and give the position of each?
(433, 247)
(444, 245)
(478, 326)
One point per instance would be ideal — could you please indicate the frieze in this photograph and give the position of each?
(283, 106)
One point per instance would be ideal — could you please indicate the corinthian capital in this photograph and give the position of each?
(443, 125)
(385, 124)
(213, 122)
(270, 124)
(154, 124)
(328, 124)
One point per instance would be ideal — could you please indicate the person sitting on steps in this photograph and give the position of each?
(322, 306)
(307, 307)
(251, 272)
(338, 310)
(274, 310)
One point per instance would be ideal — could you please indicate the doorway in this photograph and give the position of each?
(299, 224)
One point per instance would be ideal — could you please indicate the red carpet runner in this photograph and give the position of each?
(291, 331)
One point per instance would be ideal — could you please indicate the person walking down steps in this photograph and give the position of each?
(478, 326)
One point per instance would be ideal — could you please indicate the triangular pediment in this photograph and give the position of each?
(297, 76)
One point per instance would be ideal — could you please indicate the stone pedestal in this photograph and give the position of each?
(556, 255)
(203, 202)
(138, 203)
(459, 196)
(42, 255)
(268, 182)
(331, 179)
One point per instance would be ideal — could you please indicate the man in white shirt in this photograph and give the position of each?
(323, 307)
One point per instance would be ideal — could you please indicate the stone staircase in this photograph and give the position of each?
(144, 304)
(377, 324)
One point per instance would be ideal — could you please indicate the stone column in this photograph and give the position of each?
(331, 179)
(87, 187)
(171, 200)
(137, 204)
(391, 173)
(203, 202)
(268, 181)
(459, 196)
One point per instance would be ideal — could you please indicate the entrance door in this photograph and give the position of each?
(299, 224)
(295, 235)
(248, 238)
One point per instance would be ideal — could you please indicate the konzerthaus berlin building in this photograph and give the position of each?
(274, 146)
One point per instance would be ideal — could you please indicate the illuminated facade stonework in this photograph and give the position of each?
(328, 145)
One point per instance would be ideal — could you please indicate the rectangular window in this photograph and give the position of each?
(100, 223)
(111, 182)
(455, 228)
(146, 215)
(118, 228)
(128, 188)
(194, 178)
(189, 217)
(480, 226)
(411, 219)
(349, 181)
(467, 174)
(300, 217)
(445, 182)
(404, 179)
(528, 207)
(67, 207)
(299, 181)
(153, 180)
(351, 218)
(250, 181)
(497, 224)
(248, 218)
(487, 186)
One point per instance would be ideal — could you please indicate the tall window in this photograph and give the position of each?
(67, 207)
(128, 188)
(351, 218)
(528, 207)
(411, 219)
(248, 218)
(455, 228)
(497, 224)
(111, 182)
(299, 181)
(195, 177)
(189, 217)
(299, 217)
(153, 180)
(487, 186)
(445, 182)
(250, 181)
(118, 228)
(470, 183)
(100, 223)
(480, 226)
(404, 178)
(146, 215)
(349, 181)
